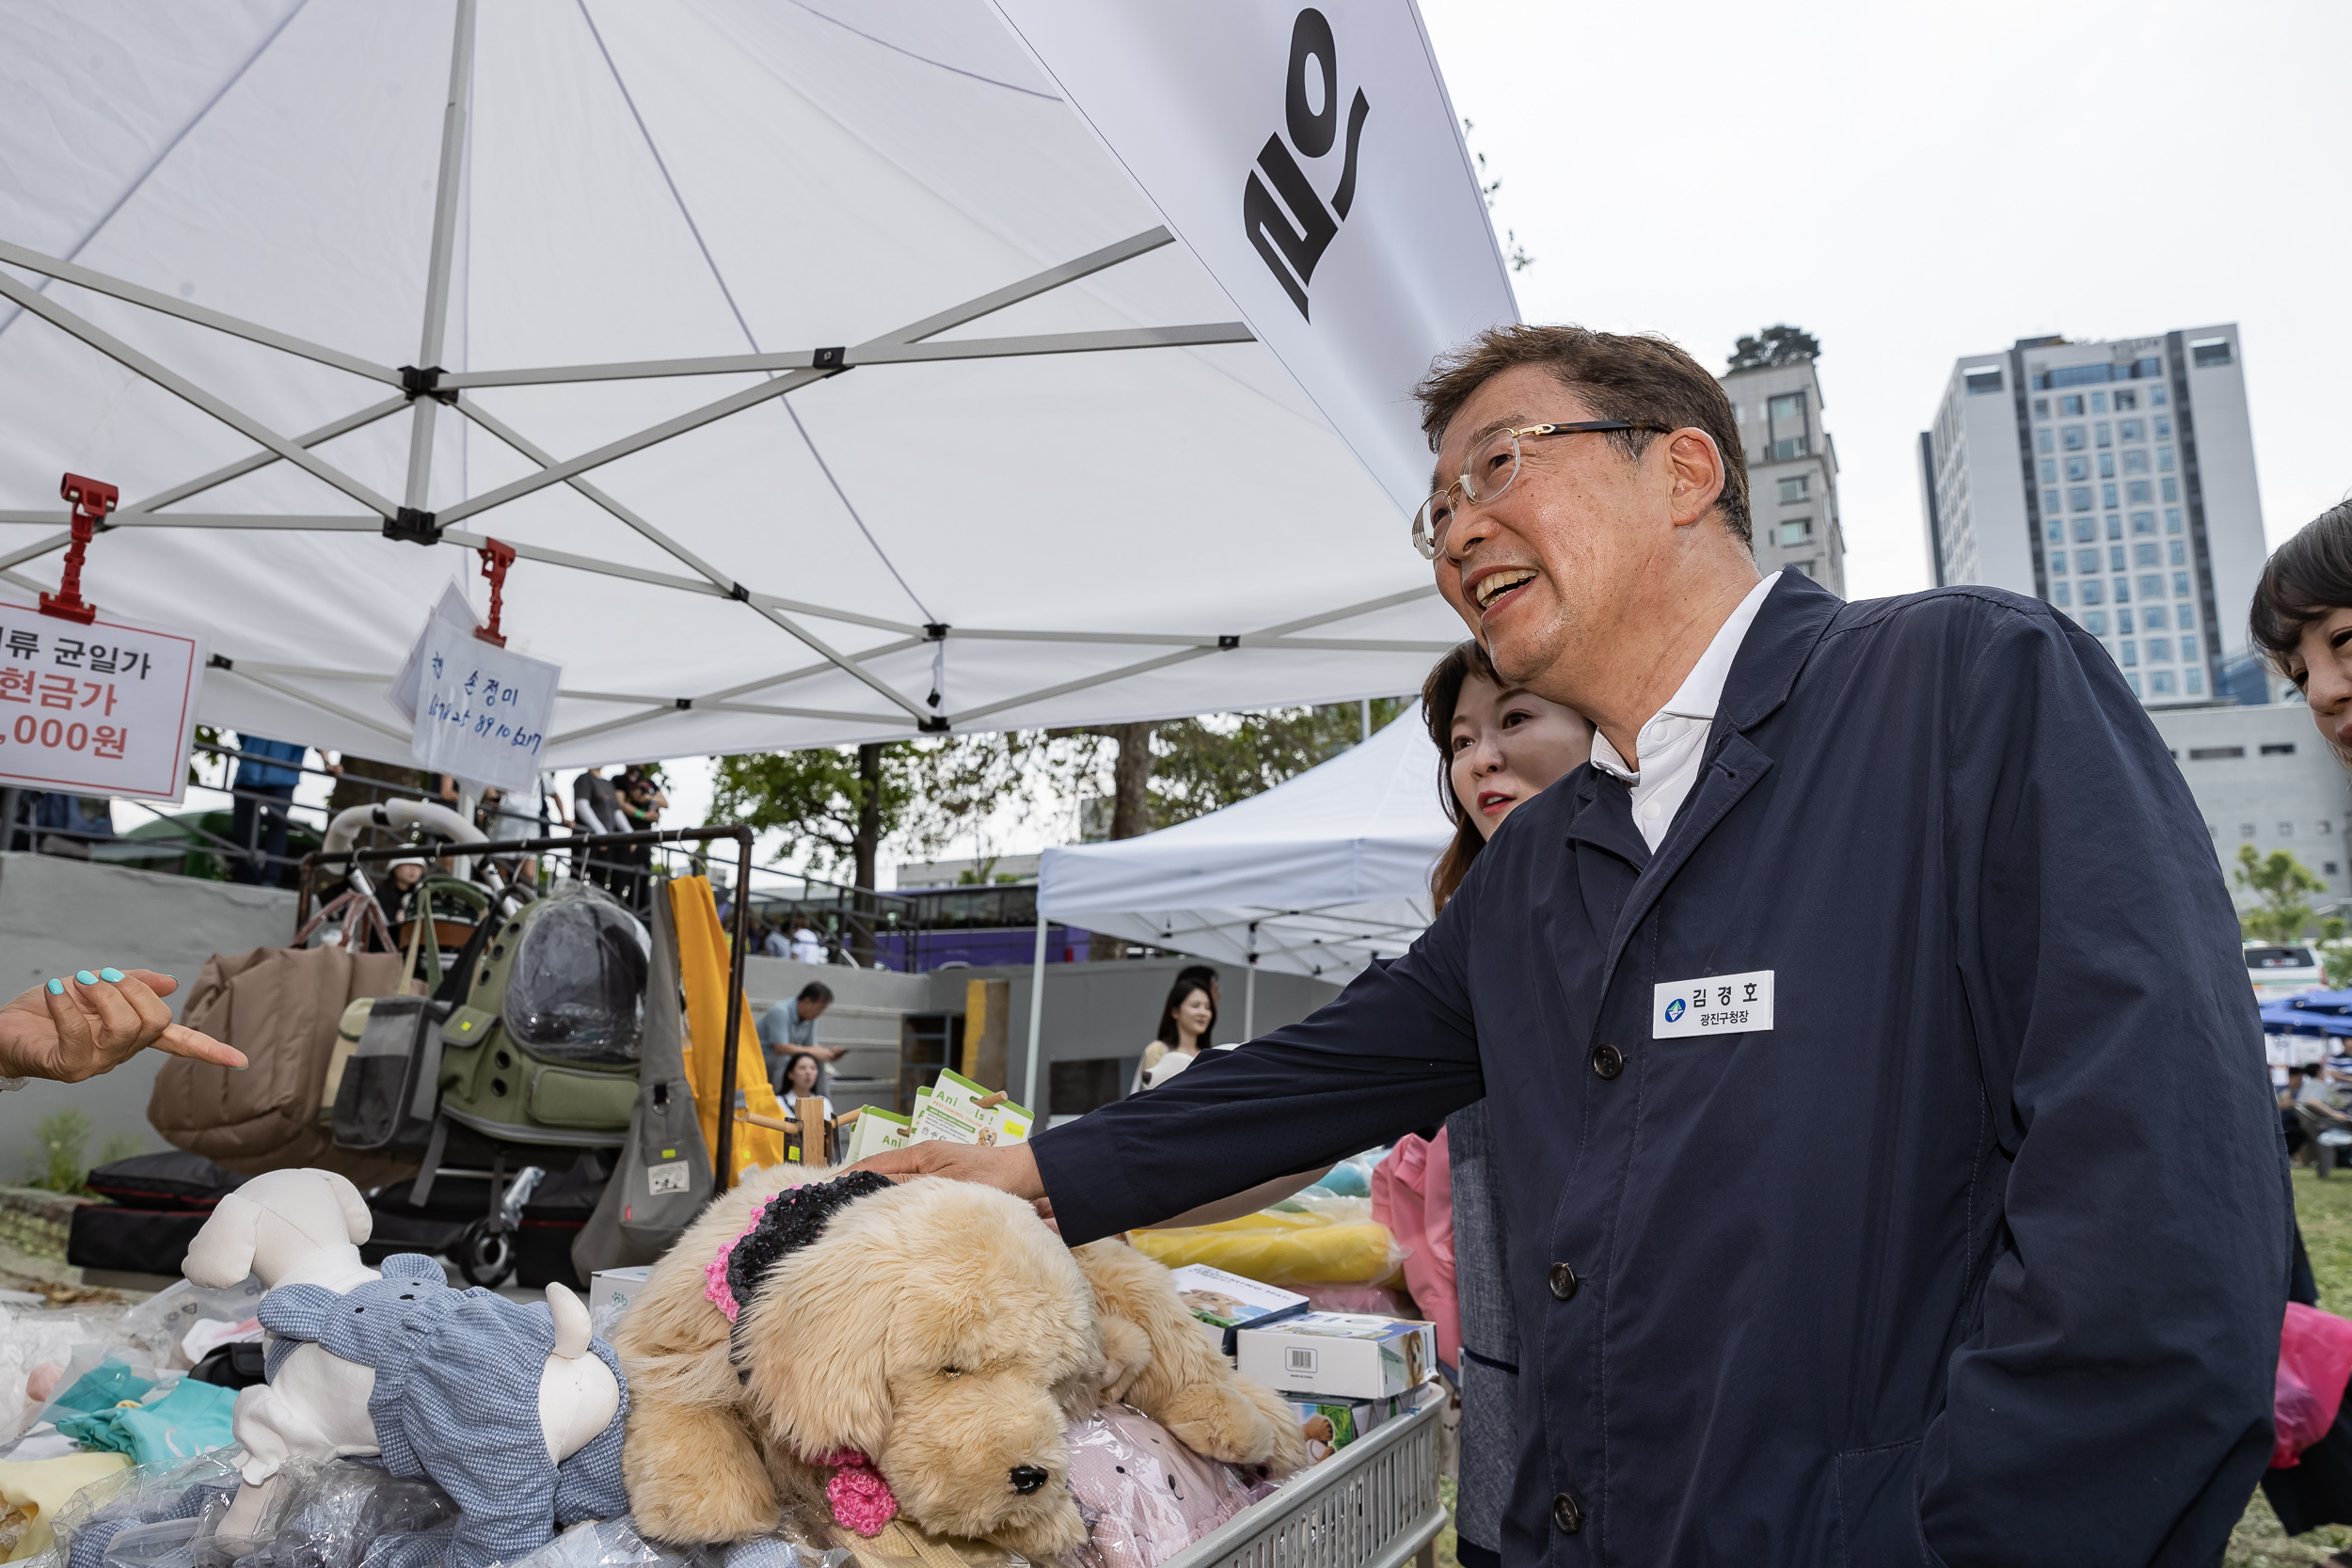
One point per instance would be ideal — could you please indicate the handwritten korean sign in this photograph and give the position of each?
(101, 709)
(482, 712)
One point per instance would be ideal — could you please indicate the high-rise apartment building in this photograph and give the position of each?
(1792, 470)
(2115, 480)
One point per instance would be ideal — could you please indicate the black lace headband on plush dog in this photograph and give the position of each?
(788, 1221)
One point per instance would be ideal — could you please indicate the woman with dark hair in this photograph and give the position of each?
(2301, 620)
(1185, 1019)
(800, 1078)
(1499, 746)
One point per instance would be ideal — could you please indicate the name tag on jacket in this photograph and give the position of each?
(1713, 1004)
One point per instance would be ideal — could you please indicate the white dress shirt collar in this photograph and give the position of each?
(1672, 742)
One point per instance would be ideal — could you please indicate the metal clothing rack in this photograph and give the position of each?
(351, 860)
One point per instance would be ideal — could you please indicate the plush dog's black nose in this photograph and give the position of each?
(1027, 1478)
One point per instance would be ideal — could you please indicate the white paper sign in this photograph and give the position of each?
(482, 712)
(101, 709)
(1713, 1004)
(450, 609)
(1310, 158)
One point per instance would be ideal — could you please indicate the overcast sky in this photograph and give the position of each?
(1911, 184)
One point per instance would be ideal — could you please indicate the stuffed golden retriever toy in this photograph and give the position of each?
(878, 1350)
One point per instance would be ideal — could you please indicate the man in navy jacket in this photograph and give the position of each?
(1893, 1175)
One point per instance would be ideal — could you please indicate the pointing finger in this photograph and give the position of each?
(180, 1041)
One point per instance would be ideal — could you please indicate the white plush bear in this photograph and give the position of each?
(304, 1226)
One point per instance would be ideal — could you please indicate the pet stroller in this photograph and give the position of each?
(524, 1060)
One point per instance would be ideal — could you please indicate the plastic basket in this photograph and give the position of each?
(1372, 1505)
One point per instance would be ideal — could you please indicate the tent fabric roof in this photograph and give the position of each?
(1317, 875)
(236, 203)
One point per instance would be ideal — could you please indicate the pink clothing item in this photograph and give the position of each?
(2314, 1362)
(860, 1499)
(1144, 1496)
(1412, 1193)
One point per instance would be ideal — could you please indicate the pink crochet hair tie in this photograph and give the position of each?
(861, 1498)
(715, 1287)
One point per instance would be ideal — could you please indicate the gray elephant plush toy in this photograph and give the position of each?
(493, 1400)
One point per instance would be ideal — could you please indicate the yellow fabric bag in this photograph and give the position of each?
(701, 954)
(1276, 1247)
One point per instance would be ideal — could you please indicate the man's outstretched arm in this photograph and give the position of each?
(1393, 1052)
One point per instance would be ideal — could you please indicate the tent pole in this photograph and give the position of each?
(1037, 1017)
(1366, 703)
(1250, 989)
(444, 241)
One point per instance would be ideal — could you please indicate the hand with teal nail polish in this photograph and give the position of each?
(71, 1034)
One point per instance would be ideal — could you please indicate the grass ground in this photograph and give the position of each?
(2325, 1210)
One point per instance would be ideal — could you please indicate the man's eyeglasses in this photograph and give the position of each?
(1493, 464)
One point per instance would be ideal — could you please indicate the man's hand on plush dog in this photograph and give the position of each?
(1008, 1167)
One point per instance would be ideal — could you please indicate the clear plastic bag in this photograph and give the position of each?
(1144, 1496)
(1350, 1178)
(32, 1339)
(342, 1514)
(577, 990)
(160, 1325)
(193, 1495)
(616, 1543)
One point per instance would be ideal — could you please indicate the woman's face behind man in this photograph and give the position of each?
(1506, 746)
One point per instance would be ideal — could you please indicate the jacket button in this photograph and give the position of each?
(1567, 1513)
(1564, 1281)
(1608, 1060)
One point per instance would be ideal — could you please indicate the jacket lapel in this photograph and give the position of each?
(1604, 818)
(1779, 641)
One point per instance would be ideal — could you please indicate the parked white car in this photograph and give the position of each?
(2281, 968)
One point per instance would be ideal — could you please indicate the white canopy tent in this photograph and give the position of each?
(832, 378)
(1318, 876)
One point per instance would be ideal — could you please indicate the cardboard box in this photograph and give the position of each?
(617, 1288)
(950, 1112)
(1330, 1425)
(1013, 1124)
(1227, 1300)
(1344, 1354)
(874, 1131)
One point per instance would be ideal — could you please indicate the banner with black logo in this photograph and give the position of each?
(1312, 161)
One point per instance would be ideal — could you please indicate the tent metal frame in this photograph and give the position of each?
(426, 392)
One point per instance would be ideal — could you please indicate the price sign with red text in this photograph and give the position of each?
(101, 709)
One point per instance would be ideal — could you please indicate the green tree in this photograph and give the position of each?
(839, 805)
(1207, 763)
(2280, 882)
(1773, 347)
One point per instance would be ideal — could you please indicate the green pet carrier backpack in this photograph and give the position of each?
(544, 1047)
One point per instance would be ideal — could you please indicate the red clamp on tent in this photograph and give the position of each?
(497, 555)
(91, 501)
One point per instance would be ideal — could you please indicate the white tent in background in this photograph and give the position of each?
(833, 378)
(1317, 875)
